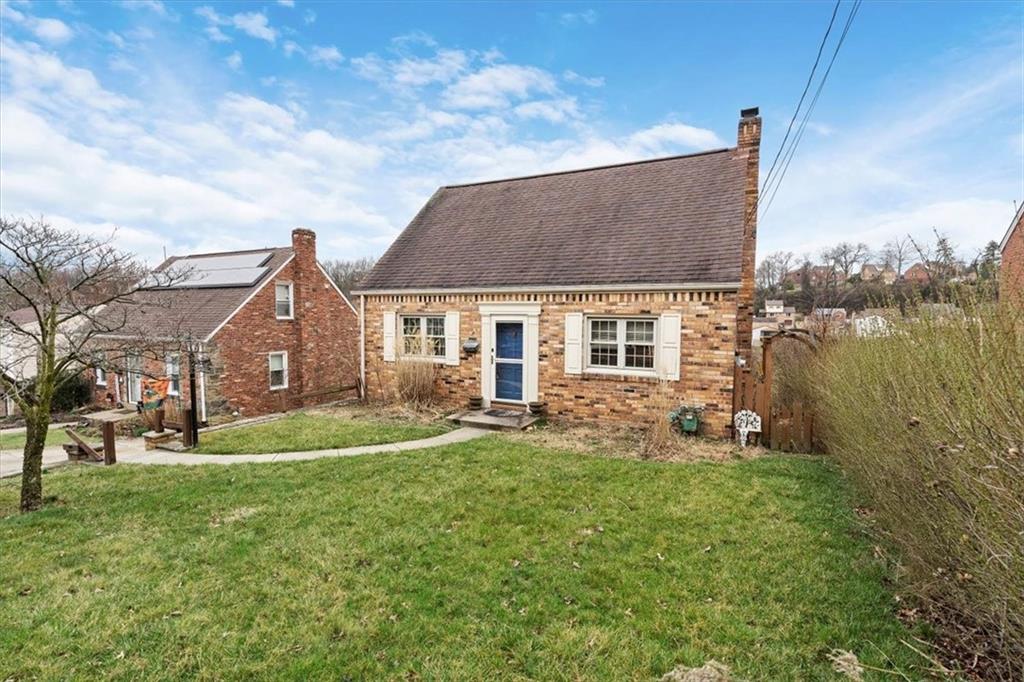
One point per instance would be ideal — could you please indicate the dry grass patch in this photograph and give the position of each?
(629, 442)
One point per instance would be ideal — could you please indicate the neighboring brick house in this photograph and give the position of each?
(814, 276)
(918, 273)
(270, 328)
(1011, 265)
(587, 290)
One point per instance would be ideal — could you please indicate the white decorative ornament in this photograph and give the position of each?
(746, 422)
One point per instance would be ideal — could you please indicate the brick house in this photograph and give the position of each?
(270, 329)
(918, 273)
(588, 290)
(884, 273)
(1011, 266)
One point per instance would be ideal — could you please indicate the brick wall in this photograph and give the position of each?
(322, 341)
(1011, 271)
(707, 353)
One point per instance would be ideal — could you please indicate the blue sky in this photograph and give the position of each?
(217, 125)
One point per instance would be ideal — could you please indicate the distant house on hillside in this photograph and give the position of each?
(884, 273)
(1011, 268)
(815, 276)
(274, 331)
(590, 290)
(918, 273)
(19, 351)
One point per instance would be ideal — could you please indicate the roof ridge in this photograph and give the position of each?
(592, 168)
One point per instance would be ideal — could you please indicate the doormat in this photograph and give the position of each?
(503, 413)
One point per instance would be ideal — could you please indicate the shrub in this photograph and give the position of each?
(415, 381)
(929, 423)
(659, 437)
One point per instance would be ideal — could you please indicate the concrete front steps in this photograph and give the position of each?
(495, 419)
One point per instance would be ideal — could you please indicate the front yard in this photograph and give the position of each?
(491, 559)
(302, 431)
(15, 441)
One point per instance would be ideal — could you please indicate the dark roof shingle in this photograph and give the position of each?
(677, 220)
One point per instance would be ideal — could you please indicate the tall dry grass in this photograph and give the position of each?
(929, 423)
(415, 381)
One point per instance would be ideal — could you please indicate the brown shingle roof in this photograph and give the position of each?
(172, 313)
(666, 221)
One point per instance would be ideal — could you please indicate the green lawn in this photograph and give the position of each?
(16, 441)
(310, 432)
(490, 560)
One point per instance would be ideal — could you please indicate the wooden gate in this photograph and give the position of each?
(790, 427)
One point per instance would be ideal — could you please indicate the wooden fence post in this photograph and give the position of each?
(159, 419)
(109, 455)
(186, 427)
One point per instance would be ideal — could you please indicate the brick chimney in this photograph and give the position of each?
(304, 287)
(748, 147)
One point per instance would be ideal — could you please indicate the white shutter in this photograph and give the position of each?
(669, 344)
(389, 335)
(451, 337)
(573, 343)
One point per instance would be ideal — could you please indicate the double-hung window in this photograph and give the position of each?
(423, 336)
(172, 365)
(620, 344)
(101, 374)
(284, 300)
(278, 370)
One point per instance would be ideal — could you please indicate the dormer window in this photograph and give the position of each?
(283, 300)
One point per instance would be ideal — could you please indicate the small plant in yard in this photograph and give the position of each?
(659, 435)
(415, 381)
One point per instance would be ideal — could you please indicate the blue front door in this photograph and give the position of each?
(508, 361)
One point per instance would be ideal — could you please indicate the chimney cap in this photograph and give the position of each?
(749, 113)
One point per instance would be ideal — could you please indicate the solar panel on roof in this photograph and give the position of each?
(227, 262)
(231, 270)
(227, 277)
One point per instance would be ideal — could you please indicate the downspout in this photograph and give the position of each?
(202, 386)
(362, 346)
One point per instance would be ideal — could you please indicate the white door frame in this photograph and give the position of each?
(529, 315)
(133, 379)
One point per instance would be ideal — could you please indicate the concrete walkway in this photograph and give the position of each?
(133, 452)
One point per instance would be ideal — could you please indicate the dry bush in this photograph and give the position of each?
(793, 376)
(415, 381)
(659, 437)
(929, 423)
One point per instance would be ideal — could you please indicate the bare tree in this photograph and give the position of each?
(896, 253)
(75, 289)
(773, 270)
(347, 273)
(845, 256)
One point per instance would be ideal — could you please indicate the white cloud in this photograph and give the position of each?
(571, 76)
(574, 18)
(234, 61)
(53, 31)
(495, 86)
(326, 56)
(555, 111)
(309, 17)
(155, 6)
(254, 24)
(290, 47)
(657, 138)
(286, 3)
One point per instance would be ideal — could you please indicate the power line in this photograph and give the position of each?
(788, 156)
(807, 86)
